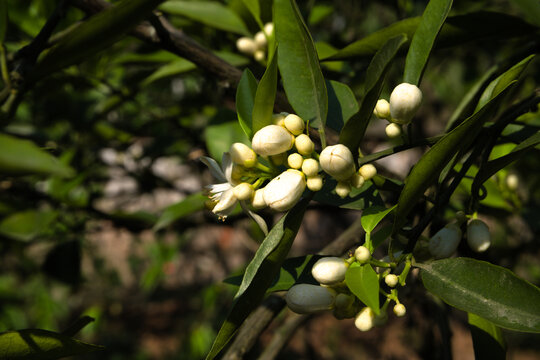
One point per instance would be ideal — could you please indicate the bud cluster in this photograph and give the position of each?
(256, 46)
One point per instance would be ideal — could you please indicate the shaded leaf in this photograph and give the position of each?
(373, 215)
(23, 157)
(424, 38)
(63, 262)
(299, 65)
(26, 225)
(255, 10)
(3, 20)
(364, 283)
(211, 13)
(342, 104)
(358, 199)
(37, 344)
(531, 10)
(245, 98)
(189, 205)
(263, 106)
(489, 291)
(488, 342)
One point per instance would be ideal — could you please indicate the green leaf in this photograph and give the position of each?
(3, 20)
(488, 341)
(424, 38)
(211, 13)
(255, 10)
(160, 56)
(372, 216)
(531, 10)
(358, 199)
(26, 225)
(189, 205)
(260, 273)
(220, 137)
(263, 106)
(427, 170)
(23, 157)
(342, 104)
(299, 65)
(173, 68)
(352, 133)
(94, 35)
(37, 344)
(364, 283)
(245, 98)
(484, 289)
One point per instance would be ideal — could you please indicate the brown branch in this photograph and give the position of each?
(283, 335)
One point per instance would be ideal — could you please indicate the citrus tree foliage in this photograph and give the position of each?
(280, 109)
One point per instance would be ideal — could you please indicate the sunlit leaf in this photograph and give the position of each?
(245, 98)
(364, 283)
(488, 341)
(265, 95)
(373, 215)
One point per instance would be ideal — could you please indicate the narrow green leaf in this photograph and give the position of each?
(352, 133)
(299, 65)
(364, 283)
(26, 225)
(3, 20)
(484, 289)
(23, 157)
(488, 341)
(245, 99)
(373, 215)
(263, 106)
(427, 170)
(173, 68)
(342, 104)
(37, 344)
(260, 273)
(189, 205)
(424, 37)
(255, 10)
(92, 36)
(210, 13)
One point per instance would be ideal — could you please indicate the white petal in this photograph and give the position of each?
(226, 204)
(227, 165)
(214, 168)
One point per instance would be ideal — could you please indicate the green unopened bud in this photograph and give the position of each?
(307, 298)
(362, 254)
(310, 167)
(400, 310)
(478, 236)
(272, 140)
(337, 161)
(365, 319)
(243, 191)
(382, 109)
(284, 191)
(294, 124)
(393, 130)
(404, 102)
(329, 270)
(314, 183)
(343, 189)
(368, 171)
(344, 306)
(445, 241)
(303, 144)
(246, 45)
(295, 161)
(357, 180)
(258, 199)
(391, 280)
(242, 154)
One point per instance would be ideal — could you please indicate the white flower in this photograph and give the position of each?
(382, 109)
(400, 310)
(404, 102)
(272, 140)
(362, 254)
(445, 241)
(284, 191)
(307, 298)
(391, 280)
(246, 45)
(329, 270)
(478, 236)
(365, 319)
(337, 161)
(294, 124)
(221, 193)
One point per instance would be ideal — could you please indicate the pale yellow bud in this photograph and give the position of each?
(314, 183)
(269, 28)
(278, 159)
(382, 109)
(260, 40)
(393, 130)
(295, 161)
(246, 45)
(307, 298)
(237, 173)
(365, 319)
(445, 241)
(512, 182)
(310, 167)
(404, 102)
(279, 119)
(478, 236)
(284, 191)
(243, 191)
(362, 254)
(259, 55)
(329, 270)
(242, 154)
(337, 161)
(400, 310)
(272, 140)
(258, 199)
(357, 180)
(391, 280)
(343, 189)
(294, 124)
(368, 171)
(303, 144)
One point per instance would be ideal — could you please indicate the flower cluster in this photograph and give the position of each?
(256, 46)
(332, 293)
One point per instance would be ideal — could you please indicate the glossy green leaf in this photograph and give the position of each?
(211, 13)
(488, 341)
(373, 215)
(26, 225)
(424, 37)
(342, 104)
(245, 99)
(173, 68)
(531, 10)
(353, 132)
(23, 157)
(299, 65)
(427, 170)
(260, 273)
(263, 106)
(37, 344)
(255, 10)
(484, 289)
(96, 34)
(189, 205)
(3, 20)
(220, 137)
(364, 283)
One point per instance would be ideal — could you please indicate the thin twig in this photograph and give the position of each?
(282, 336)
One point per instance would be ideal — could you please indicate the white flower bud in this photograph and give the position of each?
(242, 154)
(258, 199)
(307, 298)
(310, 167)
(382, 109)
(294, 124)
(329, 270)
(303, 144)
(284, 191)
(295, 161)
(357, 180)
(272, 140)
(279, 119)
(445, 241)
(259, 55)
(400, 310)
(404, 102)
(337, 161)
(365, 319)
(512, 182)
(260, 40)
(393, 130)
(314, 183)
(362, 254)
(478, 236)
(243, 191)
(246, 45)
(269, 28)
(343, 189)
(391, 280)
(368, 171)
(278, 159)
